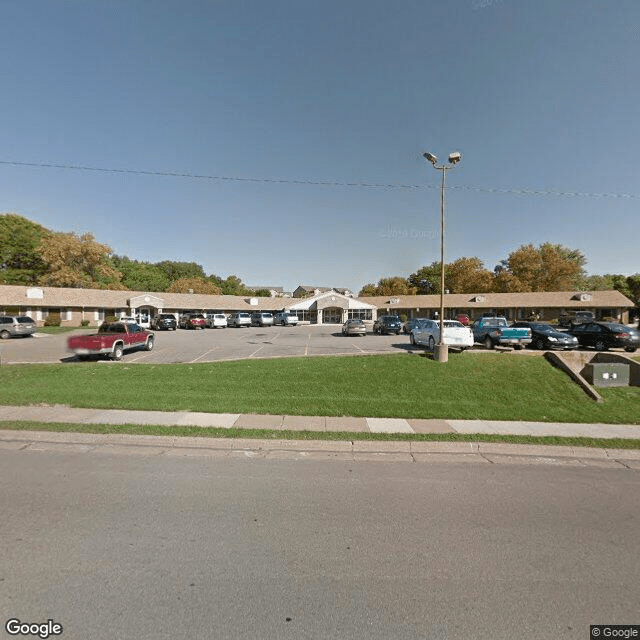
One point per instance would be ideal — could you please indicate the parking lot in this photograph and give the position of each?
(209, 345)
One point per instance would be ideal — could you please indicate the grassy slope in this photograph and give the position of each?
(474, 386)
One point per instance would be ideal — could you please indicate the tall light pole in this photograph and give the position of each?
(442, 350)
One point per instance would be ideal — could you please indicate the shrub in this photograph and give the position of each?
(84, 323)
(403, 317)
(53, 320)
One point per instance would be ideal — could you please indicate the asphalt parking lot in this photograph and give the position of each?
(209, 345)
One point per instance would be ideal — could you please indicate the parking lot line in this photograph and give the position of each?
(202, 355)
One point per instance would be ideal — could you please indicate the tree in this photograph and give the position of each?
(194, 285)
(141, 276)
(178, 270)
(546, 268)
(426, 280)
(468, 275)
(395, 286)
(77, 261)
(20, 262)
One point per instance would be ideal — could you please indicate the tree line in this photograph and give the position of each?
(31, 254)
(548, 267)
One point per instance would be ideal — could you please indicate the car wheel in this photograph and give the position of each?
(149, 345)
(600, 345)
(629, 349)
(4, 335)
(117, 352)
(539, 344)
(397, 333)
(488, 343)
(432, 343)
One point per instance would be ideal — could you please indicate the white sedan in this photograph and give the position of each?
(456, 335)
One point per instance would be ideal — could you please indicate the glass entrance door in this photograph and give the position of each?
(332, 315)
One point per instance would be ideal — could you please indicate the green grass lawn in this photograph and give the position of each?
(473, 386)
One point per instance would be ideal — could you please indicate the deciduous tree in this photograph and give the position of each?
(77, 261)
(194, 285)
(20, 262)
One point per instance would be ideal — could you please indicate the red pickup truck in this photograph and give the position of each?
(112, 339)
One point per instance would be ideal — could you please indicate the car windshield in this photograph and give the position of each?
(452, 323)
(542, 328)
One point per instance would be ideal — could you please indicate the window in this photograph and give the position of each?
(360, 314)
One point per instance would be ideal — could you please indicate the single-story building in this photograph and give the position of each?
(328, 307)
(545, 305)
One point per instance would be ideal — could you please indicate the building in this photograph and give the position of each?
(322, 307)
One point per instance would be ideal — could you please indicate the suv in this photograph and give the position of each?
(261, 319)
(387, 324)
(164, 321)
(192, 321)
(285, 318)
(240, 319)
(215, 320)
(11, 326)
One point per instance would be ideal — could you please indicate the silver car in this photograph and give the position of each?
(240, 319)
(285, 318)
(15, 326)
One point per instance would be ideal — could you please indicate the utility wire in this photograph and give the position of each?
(322, 183)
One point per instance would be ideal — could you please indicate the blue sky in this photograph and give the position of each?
(538, 96)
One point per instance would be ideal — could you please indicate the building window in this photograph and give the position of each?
(360, 314)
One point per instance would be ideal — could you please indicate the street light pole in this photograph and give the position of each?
(442, 350)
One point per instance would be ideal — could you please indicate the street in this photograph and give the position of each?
(136, 546)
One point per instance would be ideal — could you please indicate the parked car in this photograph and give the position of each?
(412, 324)
(604, 335)
(455, 335)
(192, 321)
(16, 326)
(575, 317)
(216, 320)
(492, 331)
(112, 339)
(262, 319)
(240, 319)
(166, 321)
(544, 336)
(285, 318)
(354, 327)
(387, 324)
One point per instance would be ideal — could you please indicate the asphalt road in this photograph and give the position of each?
(129, 546)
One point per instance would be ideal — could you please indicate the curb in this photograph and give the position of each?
(350, 451)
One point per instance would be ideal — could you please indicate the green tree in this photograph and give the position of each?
(20, 262)
(77, 261)
(178, 270)
(141, 276)
(426, 280)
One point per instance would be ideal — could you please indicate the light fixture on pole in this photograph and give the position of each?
(442, 350)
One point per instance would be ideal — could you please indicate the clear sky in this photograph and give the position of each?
(540, 97)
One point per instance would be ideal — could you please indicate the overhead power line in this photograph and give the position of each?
(322, 183)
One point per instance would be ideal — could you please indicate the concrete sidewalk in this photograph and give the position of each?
(59, 413)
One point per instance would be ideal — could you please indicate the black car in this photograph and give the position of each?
(544, 336)
(604, 335)
(164, 321)
(387, 324)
